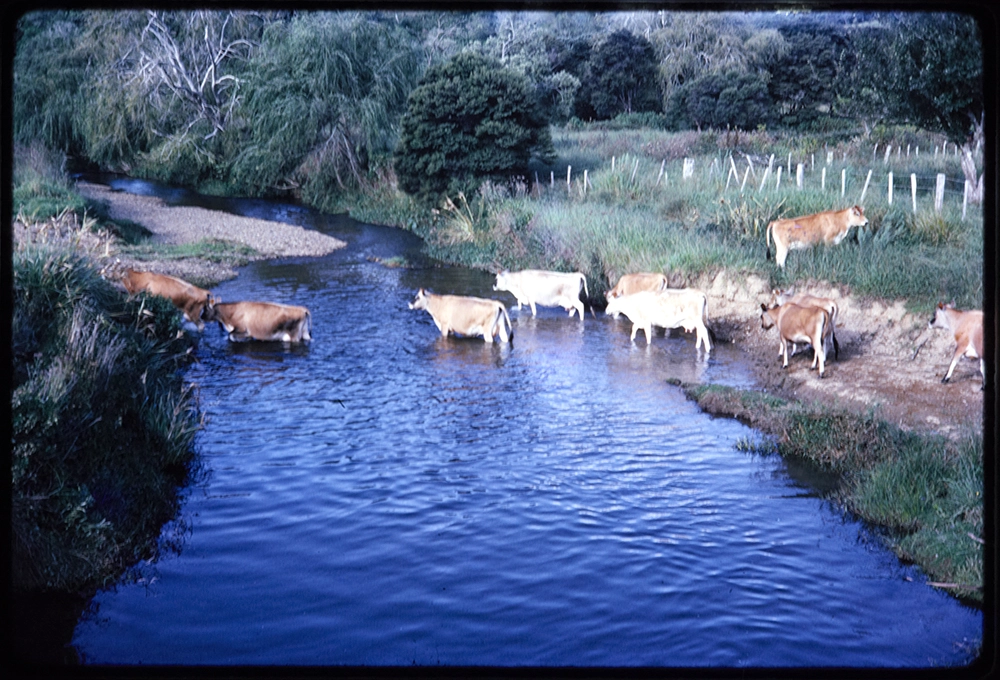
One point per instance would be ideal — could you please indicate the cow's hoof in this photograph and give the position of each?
(944, 379)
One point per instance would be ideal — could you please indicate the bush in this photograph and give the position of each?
(102, 427)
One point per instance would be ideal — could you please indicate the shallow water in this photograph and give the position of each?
(388, 496)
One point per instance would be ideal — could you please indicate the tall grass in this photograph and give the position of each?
(102, 427)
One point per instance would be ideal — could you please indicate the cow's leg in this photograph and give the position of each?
(579, 310)
(648, 329)
(822, 359)
(635, 329)
(951, 368)
(780, 253)
(784, 353)
(533, 310)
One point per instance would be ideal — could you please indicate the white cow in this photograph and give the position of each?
(467, 316)
(671, 308)
(549, 289)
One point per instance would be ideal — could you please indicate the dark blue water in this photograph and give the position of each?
(388, 496)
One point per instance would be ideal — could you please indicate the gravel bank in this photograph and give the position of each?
(178, 225)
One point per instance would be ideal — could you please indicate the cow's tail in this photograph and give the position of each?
(501, 318)
(704, 320)
(767, 240)
(307, 327)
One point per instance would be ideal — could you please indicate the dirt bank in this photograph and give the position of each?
(890, 360)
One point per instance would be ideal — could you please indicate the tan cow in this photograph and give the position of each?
(968, 330)
(466, 316)
(798, 324)
(780, 297)
(188, 298)
(797, 233)
(548, 289)
(671, 308)
(634, 283)
(265, 321)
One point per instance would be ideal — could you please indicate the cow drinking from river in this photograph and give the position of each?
(188, 298)
(265, 321)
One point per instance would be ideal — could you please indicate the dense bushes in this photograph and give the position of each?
(102, 428)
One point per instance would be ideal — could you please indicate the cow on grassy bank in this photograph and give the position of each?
(829, 227)
(188, 298)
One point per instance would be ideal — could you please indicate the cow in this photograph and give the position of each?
(780, 297)
(968, 330)
(633, 283)
(797, 233)
(466, 316)
(264, 321)
(548, 289)
(670, 308)
(797, 323)
(188, 298)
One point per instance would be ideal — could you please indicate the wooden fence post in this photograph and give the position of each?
(688, 168)
(552, 179)
(663, 165)
(763, 180)
(890, 188)
(799, 169)
(789, 163)
(829, 157)
(843, 182)
(585, 178)
(569, 174)
(777, 183)
(612, 164)
(822, 180)
(634, 169)
(865, 190)
(939, 193)
(913, 191)
(746, 174)
(888, 150)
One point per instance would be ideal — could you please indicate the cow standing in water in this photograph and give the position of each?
(968, 330)
(548, 289)
(188, 298)
(797, 233)
(265, 321)
(466, 316)
(685, 308)
(635, 283)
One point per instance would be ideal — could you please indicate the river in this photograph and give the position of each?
(386, 496)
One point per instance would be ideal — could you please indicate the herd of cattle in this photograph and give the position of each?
(644, 298)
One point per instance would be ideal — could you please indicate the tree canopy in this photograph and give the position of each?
(469, 119)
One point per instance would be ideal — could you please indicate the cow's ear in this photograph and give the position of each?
(763, 307)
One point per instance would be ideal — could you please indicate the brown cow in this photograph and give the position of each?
(797, 233)
(780, 297)
(670, 308)
(634, 283)
(466, 316)
(798, 324)
(266, 321)
(968, 330)
(188, 298)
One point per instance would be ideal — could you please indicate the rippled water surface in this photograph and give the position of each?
(388, 496)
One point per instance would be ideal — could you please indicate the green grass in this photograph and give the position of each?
(102, 425)
(927, 491)
(214, 250)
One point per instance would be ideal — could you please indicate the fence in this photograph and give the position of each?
(772, 176)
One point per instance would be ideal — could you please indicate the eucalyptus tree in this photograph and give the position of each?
(322, 102)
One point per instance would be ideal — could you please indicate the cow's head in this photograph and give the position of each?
(419, 302)
(208, 311)
(767, 315)
(501, 283)
(938, 319)
(856, 217)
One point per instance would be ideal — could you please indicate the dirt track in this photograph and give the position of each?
(890, 360)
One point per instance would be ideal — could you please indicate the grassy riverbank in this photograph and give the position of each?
(927, 491)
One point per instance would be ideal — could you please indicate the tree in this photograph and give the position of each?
(719, 100)
(322, 101)
(622, 76)
(468, 120)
